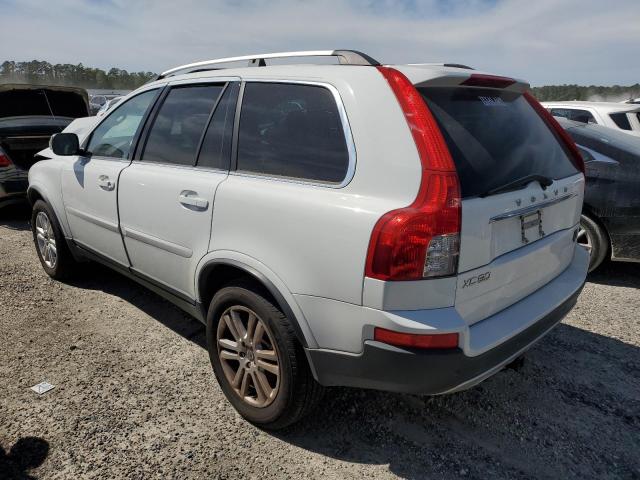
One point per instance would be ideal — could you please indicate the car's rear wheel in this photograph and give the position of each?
(593, 238)
(260, 365)
(50, 243)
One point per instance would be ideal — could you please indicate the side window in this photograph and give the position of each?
(582, 116)
(178, 127)
(560, 112)
(293, 131)
(621, 120)
(113, 137)
(216, 146)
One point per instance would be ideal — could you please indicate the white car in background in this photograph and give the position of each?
(107, 105)
(623, 117)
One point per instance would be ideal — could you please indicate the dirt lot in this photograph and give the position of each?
(135, 396)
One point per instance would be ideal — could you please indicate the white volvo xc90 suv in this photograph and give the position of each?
(408, 228)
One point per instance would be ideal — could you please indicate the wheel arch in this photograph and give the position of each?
(589, 211)
(213, 273)
(36, 192)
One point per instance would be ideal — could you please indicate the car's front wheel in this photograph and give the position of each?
(259, 364)
(50, 243)
(592, 237)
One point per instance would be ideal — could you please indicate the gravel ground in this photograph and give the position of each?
(135, 396)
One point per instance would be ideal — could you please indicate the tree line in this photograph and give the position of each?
(615, 93)
(45, 73)
(41, 72)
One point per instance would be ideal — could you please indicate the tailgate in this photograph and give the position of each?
(521, 195)
(514, 244)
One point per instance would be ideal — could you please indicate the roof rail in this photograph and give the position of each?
(345, 57)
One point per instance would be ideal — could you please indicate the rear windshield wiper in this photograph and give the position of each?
(518, 183)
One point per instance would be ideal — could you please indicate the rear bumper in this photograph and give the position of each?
(384, 367)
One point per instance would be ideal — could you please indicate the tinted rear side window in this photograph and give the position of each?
(495, 137)
(292, 131)
(621, 120)
(180, 123)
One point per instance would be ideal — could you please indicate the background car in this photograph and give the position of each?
(610, 224)
(107, 105)
(96, 102)
(619, 116)
(99, 100)
(29, 115)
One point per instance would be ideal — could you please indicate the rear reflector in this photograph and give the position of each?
(488, 81)
(558, 131)
(421, 240)
(437, 341)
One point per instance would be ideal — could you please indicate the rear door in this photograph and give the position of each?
(90, 181)
(166, 196)
(521, 195)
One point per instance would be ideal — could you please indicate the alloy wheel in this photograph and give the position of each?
(248, 356)
(584, 239)
(46, 240)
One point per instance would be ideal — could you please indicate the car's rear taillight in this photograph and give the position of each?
(5, 161)
(557, 129)
(421, 240)
(412, 340)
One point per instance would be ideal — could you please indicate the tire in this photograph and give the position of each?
(48, 237)
(593, 237)
(294, 391)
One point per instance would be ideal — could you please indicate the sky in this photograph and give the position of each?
(542, 41)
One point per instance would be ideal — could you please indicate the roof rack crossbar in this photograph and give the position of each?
(345, 57)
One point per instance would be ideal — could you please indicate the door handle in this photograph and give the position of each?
(105, 183)
(192, 201)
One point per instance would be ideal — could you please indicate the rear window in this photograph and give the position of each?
(495, 137)
(621, 120)
(42, 102)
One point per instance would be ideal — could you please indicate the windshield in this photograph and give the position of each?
(495, 137)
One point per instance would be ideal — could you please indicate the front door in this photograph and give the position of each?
(90, 181)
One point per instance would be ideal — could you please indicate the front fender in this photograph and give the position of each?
(269, 279)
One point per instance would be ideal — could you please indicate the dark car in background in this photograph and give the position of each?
(29, 115)
(610, 223)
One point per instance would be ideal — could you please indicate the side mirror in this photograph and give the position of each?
(65, 144)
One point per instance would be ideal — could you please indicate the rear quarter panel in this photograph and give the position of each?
(315, 238)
